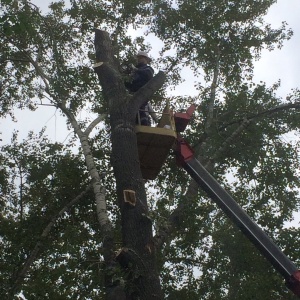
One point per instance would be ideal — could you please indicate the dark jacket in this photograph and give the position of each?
(140, 76)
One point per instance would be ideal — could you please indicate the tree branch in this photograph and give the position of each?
(3, 60)
(212, 98)
(271, 111)
(276, 109)
(89, 159)
(32, 257)
(230, 139)
(94, 123)
(146, 92)
(46, 79)
(99, 205)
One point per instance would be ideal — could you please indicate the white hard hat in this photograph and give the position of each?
(143, 53)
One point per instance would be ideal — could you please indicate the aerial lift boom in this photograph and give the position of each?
(186, 159)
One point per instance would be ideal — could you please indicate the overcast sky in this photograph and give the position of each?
(281, 64)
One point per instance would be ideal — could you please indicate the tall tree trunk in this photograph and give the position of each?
(137, 256)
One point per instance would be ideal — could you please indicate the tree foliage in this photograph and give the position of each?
(62, 220)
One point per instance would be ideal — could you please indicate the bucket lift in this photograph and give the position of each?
(154, 145)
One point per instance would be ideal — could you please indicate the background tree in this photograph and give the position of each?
(63, 213)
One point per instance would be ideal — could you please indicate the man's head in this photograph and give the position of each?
(143, 57)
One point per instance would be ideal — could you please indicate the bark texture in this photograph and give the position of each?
(137, 257)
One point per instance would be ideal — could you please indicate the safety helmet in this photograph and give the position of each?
(145, 54)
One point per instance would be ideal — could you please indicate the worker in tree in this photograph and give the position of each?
(139, 76)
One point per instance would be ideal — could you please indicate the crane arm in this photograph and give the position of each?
(185, 158)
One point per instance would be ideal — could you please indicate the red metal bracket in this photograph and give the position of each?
(182, 119)
(184, 152)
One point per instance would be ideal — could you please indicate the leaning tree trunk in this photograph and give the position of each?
(137, 255)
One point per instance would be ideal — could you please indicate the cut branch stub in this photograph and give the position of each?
(129, 197)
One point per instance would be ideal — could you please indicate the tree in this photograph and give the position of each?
(65, 221)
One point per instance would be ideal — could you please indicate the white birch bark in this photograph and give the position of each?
(93, 172)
